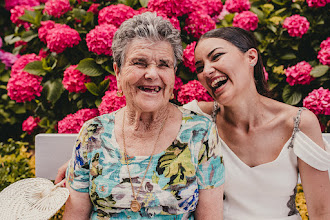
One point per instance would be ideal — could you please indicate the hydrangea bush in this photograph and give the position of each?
(56, 64)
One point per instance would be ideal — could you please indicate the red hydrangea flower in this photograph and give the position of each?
(299, 74)
(324, 56)
(189, 56)
(30, 124)
(57, 8)
(246, 20)
(318, 101)
(74, 80)
(115, 14)
(316, 3)
(172, 8)
(111, 102)
(72, 123)
(193, 90)
(22, 61)
(296, 25)
(325, 43)
(237, 5)
(61, 37)
(99, 40)
(43, 53)
(24, 86)
(112, 82)
(177, 86)
(9, 4)
(44, 28)
(94, 8)
(17, 12)
(198, 24)
(210, 7)
(19, 43)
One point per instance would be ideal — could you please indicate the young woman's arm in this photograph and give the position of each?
(210, 204)
(316, 183)
(78, 206)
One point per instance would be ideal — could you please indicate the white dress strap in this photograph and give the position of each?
(193, 106)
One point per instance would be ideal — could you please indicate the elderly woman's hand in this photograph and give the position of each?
(61, 172)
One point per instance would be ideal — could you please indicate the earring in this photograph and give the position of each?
(172, 96)
(120, 93)
(252, 64)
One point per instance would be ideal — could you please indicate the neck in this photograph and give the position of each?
(146, 121)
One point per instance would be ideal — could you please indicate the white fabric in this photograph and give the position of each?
(263, 192)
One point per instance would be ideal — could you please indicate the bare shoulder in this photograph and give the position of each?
(206, 107)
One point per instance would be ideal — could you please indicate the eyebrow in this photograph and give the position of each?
(209, 54)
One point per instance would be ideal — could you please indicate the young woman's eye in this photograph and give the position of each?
(216, 56)
(199, 69)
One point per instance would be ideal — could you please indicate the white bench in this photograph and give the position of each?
(53, 150)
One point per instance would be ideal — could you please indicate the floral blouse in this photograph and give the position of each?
(171, 187)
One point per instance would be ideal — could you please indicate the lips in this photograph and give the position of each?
(150, 89)
(218, 82)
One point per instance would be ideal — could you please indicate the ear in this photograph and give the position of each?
(252, 56)
(116, 69)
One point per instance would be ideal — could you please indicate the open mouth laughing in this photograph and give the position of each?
(217, 83)
(150, 89)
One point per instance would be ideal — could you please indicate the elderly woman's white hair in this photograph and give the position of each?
(147, 26)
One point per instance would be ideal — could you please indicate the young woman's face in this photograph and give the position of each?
(147, 75)
(223, 69)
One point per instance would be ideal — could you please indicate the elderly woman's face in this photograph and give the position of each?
(147, 75)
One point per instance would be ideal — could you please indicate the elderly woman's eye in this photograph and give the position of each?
(140, 64)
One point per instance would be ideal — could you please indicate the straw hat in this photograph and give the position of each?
(33, 198)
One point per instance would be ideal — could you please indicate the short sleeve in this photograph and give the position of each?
(77, 173)
(210, 171)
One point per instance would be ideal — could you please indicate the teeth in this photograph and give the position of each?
(151, 89)
(221, 78)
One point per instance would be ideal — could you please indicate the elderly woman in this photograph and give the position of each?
(149, 159)
(265, 143)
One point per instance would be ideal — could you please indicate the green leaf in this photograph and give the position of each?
(35, 68)
(104, 85)
(31, 17)
(19, 109)
(89, 67)
(258, 12)
(319, 71)
(130, 3)
(296, 6)
(54, 89)
(144, 3)
(272, 28)
(98, 102)
(93, 88)
(288, 56)
(79, 13)
(290, 95)
(279, 11)
(28, 36)
(10, 39)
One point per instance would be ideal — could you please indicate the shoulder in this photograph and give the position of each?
(206, 107)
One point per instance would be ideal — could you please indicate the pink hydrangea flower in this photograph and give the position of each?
(22, 61)
(17, 12)
(111, 102)
(246, 20)
(325, 43)
(19, 43)
(94, 8)
(177, 86)
(99, 40)
(198, 24)
(296, 25)
(72, 123)
(30, 124)
(115, 14)
(43, 53)
(237, 5)
(316, 3)
(210, 7)
(8, 58)
(189, 57)
(172, 8)
(193, 90)
(318, 101)
(61, 37)
(74, 80)
(324, 56)
(57, 8)
(265, 74)
(44, 28)
(9, 4)
(24, 87)
(1, 43)
(112, 82)
(174, 20)
(299, 74)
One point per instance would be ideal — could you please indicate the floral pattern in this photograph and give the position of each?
(171, 187)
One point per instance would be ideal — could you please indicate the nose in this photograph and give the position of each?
(208, 69)
(151, 72)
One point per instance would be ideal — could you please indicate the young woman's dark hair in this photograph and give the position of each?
(243, 40)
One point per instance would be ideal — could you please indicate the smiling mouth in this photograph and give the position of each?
(219, 82)
(150, 89)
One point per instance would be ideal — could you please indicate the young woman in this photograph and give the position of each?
(265, 143)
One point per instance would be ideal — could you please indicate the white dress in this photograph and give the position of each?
(267, 191)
